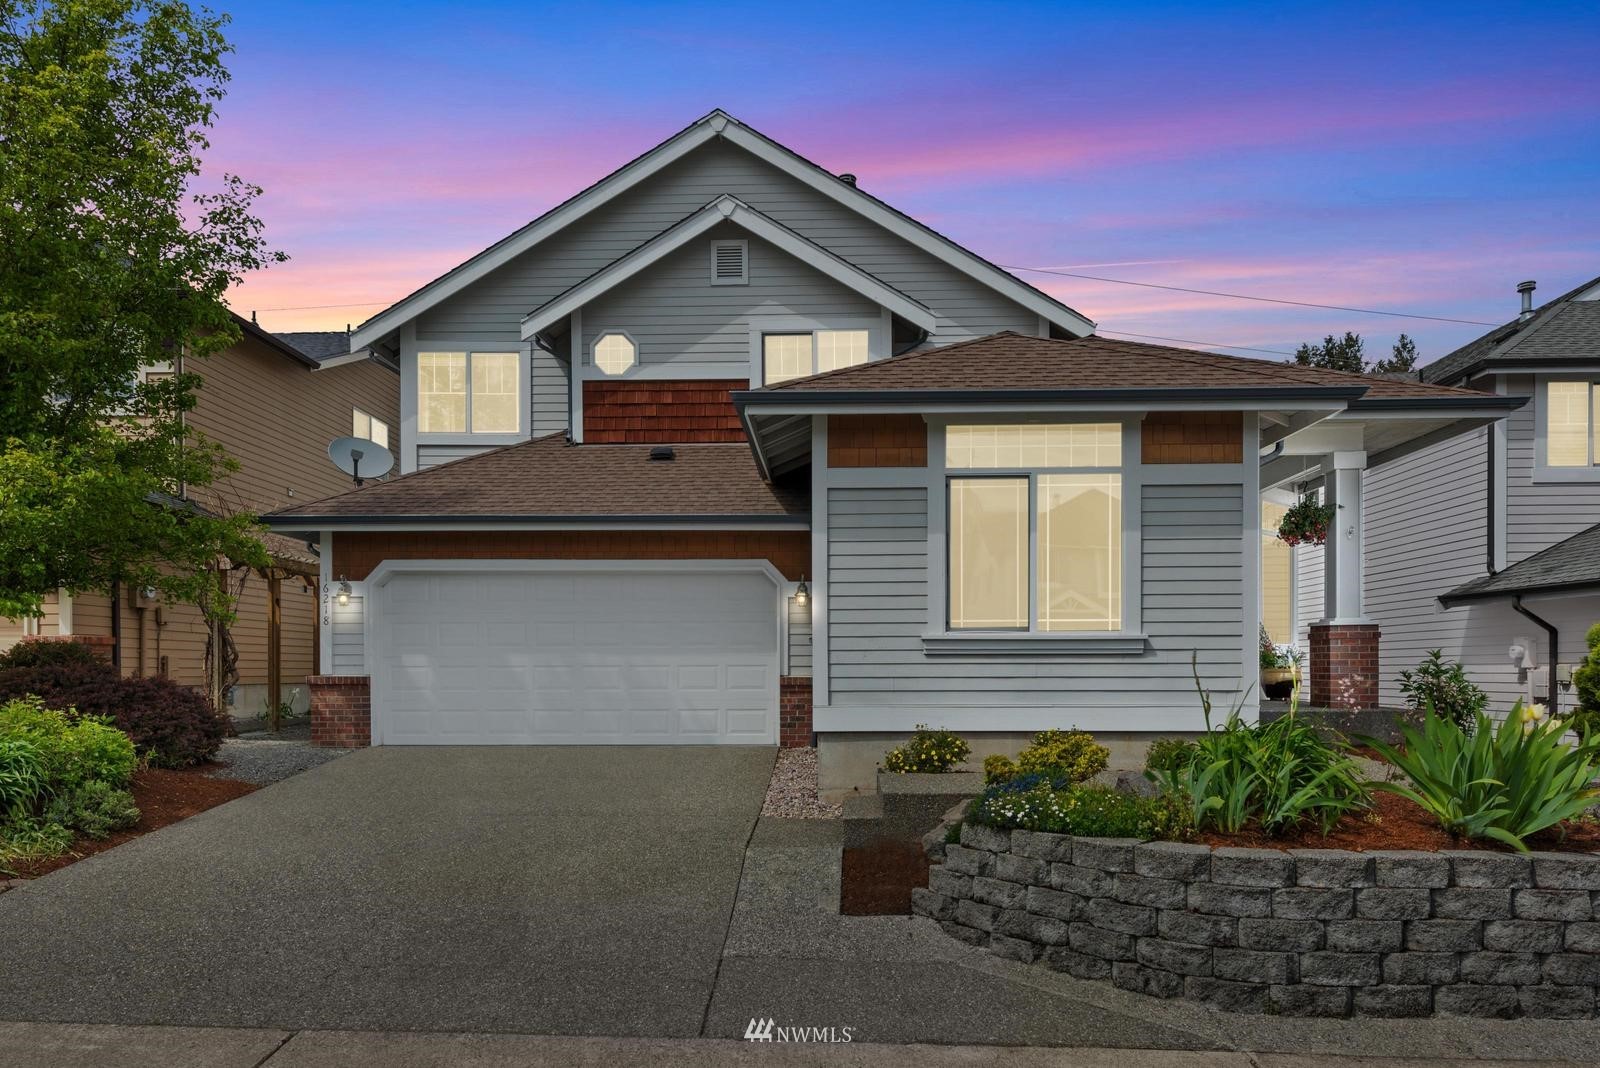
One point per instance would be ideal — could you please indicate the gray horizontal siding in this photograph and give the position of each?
(349, 638)
(878, 612)
(799, 639)
(1539, 514)
(551, 393)
(434, 455)
(494, 306)
(674, 313)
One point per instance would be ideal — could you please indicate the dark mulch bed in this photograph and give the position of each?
(163, 797)
(878, 878)
(1395, 823)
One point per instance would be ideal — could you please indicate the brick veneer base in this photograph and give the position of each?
(1344, 665)
(341, 710)
(1303, 932)
(794, 711)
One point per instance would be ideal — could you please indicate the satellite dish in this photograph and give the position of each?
(360, 459)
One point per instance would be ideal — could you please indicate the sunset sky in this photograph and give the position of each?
(1399, 157)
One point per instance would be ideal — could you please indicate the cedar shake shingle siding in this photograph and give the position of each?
(630, 411)
(877, 441)
(355, 555)
(1193, 438)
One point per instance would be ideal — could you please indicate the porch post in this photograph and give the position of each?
(1344, 643)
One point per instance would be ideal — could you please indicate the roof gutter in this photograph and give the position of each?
(899, 398)
(1494, 401)
(280, 521)
(1452, 600)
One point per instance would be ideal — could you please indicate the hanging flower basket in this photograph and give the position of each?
(1306, 522)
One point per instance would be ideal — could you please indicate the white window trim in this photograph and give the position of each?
(939, 639)
(410, 438)
(744, 263)
(1542, 470)
(600, 373)
(877, 338)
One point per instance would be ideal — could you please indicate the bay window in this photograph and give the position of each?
(1035, 527)
(469, 392)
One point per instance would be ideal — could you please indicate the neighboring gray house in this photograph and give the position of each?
(1463, 532)
(726, 450)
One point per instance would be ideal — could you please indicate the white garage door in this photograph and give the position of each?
(559, 657)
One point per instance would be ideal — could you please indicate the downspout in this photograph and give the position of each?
(1488, 495)
(1555, 648)
(116, 625)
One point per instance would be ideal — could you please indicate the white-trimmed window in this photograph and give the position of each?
(367, 426)
(1572, 424)
(469, 392)
(615, 353)
(1035, 527)
(797, 355)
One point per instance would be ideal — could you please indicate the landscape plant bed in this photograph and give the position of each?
(1396, 823)
(164, 797)
(877, 878)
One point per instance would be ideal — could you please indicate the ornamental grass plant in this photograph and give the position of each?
(1501, 782)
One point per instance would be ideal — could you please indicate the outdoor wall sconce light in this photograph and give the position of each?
(802, 593)
(343, 596)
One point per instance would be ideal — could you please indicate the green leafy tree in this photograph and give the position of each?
(1402, 360)
(1346, 353)
(114, 256)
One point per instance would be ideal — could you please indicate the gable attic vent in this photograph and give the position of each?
(729, 263)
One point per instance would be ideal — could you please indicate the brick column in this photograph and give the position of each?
(794, 711)
(1344, 665)
(341, 710)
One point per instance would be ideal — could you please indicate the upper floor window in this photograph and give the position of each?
(469, 392)
(1572, 424)
(615, 353)
(786, 356)
(1035, 527)
(366, 426)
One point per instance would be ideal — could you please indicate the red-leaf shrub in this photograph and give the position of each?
(27, 654)
(170, 724)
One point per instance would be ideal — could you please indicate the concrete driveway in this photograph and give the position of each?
(553, 890)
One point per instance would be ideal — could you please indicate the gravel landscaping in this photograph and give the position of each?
(267, 760)
(793, 791)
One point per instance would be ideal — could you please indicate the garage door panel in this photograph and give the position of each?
(562, 657)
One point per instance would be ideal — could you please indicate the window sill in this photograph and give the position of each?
(952, 644)
(1556, 475)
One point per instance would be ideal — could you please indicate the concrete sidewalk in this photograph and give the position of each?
(32, 1045)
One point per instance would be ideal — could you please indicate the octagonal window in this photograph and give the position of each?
(615, 353)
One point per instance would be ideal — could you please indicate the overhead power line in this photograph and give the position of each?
(317, 307)
(1246, 296)
(1192, 341)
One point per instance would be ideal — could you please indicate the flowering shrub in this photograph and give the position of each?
(928, 750)
(1037, 803)
(1306, 522)
(1071, 755)
(1274, 656)
(1445, 688)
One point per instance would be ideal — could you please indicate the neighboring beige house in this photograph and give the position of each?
(274, 402)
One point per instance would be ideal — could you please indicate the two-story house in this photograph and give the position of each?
(1486, 545)
(274, 402)
(725, 449)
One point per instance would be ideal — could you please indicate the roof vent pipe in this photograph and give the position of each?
(848, 179)
(1526, 289)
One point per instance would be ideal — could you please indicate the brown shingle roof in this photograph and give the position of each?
(547, 478)
(1011, 361)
